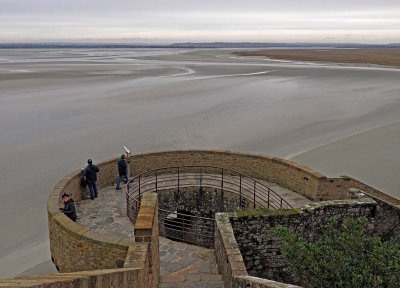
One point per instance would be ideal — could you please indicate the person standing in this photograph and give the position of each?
(90, 175)
(69, 207)
(122, 171)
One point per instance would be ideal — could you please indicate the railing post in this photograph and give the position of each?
(222, 179)
(178, 181)
(139, 199)
(281, 202)
(201, 179)
(183, 226)
(222, 190)
(139, 185)
(254, 195)
(240, 190)
(156, 180)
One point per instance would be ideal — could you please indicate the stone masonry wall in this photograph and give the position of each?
(230, 261)
(146, 231)
(254, 282)
(338, 188)
(201, 203)
(287, 174)
(388, 210)
(135, 274)
(261, 252)
(298, 178)
(229, 258)
(73, 247)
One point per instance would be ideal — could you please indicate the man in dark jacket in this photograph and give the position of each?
(90, 175)
(69, 207)
(122, 171)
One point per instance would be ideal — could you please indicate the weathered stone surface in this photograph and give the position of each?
(261, 251)
(185, 265)
(92, 252)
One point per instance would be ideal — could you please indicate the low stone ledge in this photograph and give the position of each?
(146, 231)
(254, 282)
(137, 256)
(109, 278)
(229, 259)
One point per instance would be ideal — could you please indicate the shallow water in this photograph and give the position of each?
(59, 107)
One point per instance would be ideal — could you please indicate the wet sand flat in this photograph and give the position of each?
(377, 56)
(59, 107)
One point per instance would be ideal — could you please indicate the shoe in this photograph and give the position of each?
(92, 198)
(117, 188)
(95, 196)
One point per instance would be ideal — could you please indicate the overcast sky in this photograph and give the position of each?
(165, 21)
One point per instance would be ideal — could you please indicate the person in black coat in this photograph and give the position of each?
(122, 171)
(90, 175)
(69, 207)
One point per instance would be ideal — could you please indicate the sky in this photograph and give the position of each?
(170, 21)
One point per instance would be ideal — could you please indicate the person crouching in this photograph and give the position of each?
(69, 207)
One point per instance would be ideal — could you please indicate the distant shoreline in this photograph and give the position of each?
(371, 56)
(189, 45)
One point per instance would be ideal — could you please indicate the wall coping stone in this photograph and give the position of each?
(255, 282)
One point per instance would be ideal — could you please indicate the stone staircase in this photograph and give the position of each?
(187, 266)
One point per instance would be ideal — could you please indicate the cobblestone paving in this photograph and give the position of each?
(106, 214)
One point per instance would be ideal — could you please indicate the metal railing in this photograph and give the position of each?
(187, 228)
(244, 186)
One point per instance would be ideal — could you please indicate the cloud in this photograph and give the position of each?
(178, 20)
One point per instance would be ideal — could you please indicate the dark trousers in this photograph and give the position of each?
(120, 178)
(92, 189)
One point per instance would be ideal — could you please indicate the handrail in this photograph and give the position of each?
(177, 177)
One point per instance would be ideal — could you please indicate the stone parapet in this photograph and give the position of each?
(298, 178)
(73, 247)
(261, 250)
(111, 278)
(229, 259)
(135, 274)
(147, 231)
(244, 247)
(254, 282)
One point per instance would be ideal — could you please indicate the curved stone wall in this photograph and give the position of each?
(74, 247)
(298, 178)
(287, 174)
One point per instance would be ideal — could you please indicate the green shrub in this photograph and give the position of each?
(342, 257)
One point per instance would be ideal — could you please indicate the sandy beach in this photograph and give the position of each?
(59, 107)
